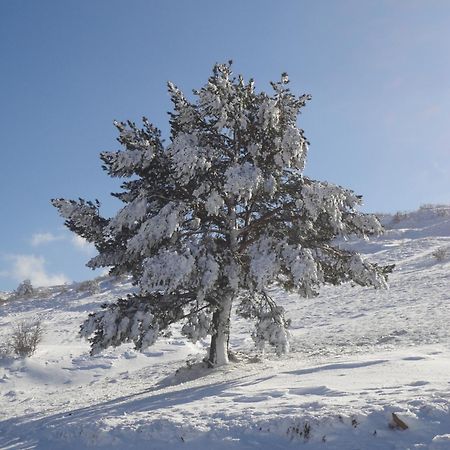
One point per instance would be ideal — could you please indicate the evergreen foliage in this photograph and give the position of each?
(24, 290)
(218, 216)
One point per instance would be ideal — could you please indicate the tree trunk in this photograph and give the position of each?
(218, 352)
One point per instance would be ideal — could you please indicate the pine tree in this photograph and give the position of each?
(24, 290)
(216, 217)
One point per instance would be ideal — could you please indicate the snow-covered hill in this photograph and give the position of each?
(358, 355)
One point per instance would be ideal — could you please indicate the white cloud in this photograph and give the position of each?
(33, 268)
(77, 241)
(82, 244)
(44, 238)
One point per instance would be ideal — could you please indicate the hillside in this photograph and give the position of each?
(357, 356)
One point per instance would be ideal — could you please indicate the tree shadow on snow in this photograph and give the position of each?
(336, 366)
(31, 430)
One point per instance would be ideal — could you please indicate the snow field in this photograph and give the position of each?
(357, 356)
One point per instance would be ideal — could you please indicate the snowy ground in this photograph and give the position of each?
(358, 356)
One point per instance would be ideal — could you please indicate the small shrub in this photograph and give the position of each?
(298, 431)
(89, 286)
(440, 254)
(5, 350)
(63, 288)
(398, 217)
(26, 337)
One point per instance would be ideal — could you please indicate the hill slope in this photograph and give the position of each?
(357, 356)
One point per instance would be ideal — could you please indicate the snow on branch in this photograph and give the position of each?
(219, 213)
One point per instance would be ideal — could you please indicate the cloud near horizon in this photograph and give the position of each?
(26, 264)
(32, 267)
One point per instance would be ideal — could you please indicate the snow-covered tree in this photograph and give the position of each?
(215, 217)
(24, 290)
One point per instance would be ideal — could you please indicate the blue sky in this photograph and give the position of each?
(378, 72)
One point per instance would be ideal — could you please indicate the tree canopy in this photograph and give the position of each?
(217, 216)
